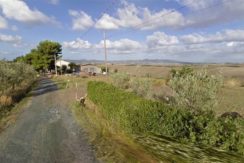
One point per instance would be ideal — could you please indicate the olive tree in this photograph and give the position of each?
(14, 74)
(195, 90)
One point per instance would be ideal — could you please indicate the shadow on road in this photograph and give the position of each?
(45, 85)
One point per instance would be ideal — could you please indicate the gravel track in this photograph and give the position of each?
(46, 131)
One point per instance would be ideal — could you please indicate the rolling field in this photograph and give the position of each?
(231, 96)
(230, 99)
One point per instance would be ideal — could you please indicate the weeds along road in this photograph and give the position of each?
(46, 131)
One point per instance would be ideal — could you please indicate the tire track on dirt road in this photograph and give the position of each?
(45, 132)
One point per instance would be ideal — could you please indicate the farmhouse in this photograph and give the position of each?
(90, 69)
(61, 63)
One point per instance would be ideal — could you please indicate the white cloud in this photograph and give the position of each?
(201, 13)
(224, 36)
(77, 44)
(131, 16)
(158, 39)
(107, 22)
(227, 45)
(163, 18)
(209, 12)
(80, 20)
(20, 11)
(199, 47)
(126, 17)
(3, 23)
(197, 4)
(10, 39)
(122, 46)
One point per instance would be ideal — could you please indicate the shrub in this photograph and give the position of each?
(195, 90)
(185, 71)
(136, 115)
(12, 76)
(103, 69)
(115, 70)
(121, 80)
(225, 133)
(141, 86)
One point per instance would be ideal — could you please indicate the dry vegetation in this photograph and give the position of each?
(16, 79)
(231, 95)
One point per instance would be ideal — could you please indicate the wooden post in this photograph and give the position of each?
(55, 59)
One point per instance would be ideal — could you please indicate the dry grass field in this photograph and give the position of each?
(231, 96)
(162, 71)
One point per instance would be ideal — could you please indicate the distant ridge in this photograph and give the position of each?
(145, 62)
(131, 62)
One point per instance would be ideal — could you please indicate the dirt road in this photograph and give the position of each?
(46, 131)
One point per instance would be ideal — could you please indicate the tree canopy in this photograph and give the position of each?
(43, 56)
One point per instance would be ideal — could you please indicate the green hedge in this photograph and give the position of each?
(136, 115)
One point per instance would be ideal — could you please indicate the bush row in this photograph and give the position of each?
(136, 115)
(15, 79)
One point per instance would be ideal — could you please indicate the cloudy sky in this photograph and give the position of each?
(185, 30)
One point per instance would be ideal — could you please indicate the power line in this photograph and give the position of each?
(166, 14)
(109, 7)
(147, 22)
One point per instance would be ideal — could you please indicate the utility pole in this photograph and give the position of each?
(105, 52)
(55, 58)
(61, 67)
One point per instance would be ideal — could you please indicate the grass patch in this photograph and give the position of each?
(135, 115)
(231, 99)
(111, 145)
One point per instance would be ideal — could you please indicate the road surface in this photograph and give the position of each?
(46, 132)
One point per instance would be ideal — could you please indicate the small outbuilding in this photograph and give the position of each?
(90, 69)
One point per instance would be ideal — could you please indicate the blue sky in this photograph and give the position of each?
(185, 30)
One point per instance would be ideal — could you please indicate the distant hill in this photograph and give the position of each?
(131, 62)
(146, 62)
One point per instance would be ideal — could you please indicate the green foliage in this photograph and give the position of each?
(185, 71)
(73, 66)
(64, 68)
(103, 68)
(124, 108)
(121, 80)
(136, 115)
(50, 49)
(116, 70)
(15, 79)
(141, 86)
(42, 57)
(195, 90)
(225, 133)
(14, 74)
